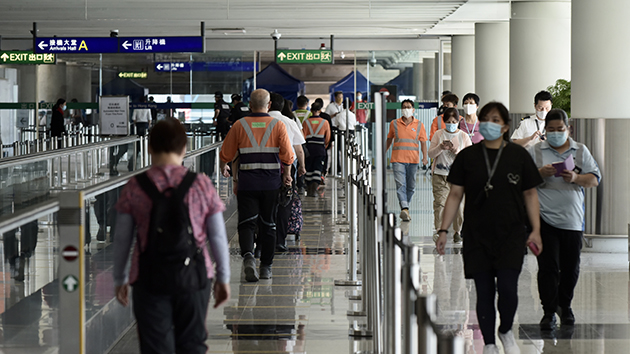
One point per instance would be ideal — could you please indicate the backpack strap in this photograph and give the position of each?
(148, 186)
(185, 185)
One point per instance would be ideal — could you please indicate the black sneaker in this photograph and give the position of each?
(281, 248)
(566, 317)
(265, 272)
(548, 322)
(249, 268)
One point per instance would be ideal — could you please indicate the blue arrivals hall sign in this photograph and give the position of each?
(96, 45)
(73, 45)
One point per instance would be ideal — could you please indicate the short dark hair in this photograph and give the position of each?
(168, 136)
(408, 101)
(450, 112)
(302, 101)
(320, 101)
(277, 102)
(557, 114)
(450, 97)
(445, 92)
(337, 93)
(469, 95)
(543, 96)
(316, 106)
(489, 107)
(60, 102)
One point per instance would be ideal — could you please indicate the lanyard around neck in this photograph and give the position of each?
(488, 187)
(471, 134)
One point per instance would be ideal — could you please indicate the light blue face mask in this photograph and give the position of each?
(490, 131)
(557, 139)
(451, 127)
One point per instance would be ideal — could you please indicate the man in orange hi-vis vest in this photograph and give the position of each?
(262, 144)
(408, 135)
(317, 133)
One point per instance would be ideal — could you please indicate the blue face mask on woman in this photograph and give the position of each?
(490, 131)
(557, 139)
(451, 127)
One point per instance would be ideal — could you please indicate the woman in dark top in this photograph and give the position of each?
(57, 127)
(499, 180)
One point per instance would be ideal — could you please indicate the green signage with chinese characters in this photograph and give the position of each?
(26, 58)
(287, 56)
(132, 74)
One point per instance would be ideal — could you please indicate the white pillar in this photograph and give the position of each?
(447, 74)
(429, 73)
(492, 62)
(463, 61)
(540, 49)
(417, 81)
(600, 86)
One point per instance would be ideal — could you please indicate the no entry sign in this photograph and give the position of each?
(70, 253)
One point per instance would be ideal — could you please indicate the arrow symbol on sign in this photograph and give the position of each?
(23, 121)
(282, 56)
(42, 45)
(126, 45)
(159, 66)
(4, 57)
(70, 283)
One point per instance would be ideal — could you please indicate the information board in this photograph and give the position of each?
(73, 45)
(161, 44)
(114, 115)
(149, 44)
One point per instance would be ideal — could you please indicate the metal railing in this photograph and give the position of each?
(398, 317)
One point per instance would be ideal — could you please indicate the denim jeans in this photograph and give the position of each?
(405, 177)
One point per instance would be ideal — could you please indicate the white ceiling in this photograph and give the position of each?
(293, 18)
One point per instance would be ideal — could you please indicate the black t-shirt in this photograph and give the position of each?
(239, 111)
(494, 226)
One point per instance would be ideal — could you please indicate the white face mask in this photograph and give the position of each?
(359, 97)
(541, 114)
(470, 109)
(407, 112)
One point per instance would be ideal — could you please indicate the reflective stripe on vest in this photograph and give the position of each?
(315, 137)
(398, 140)
(259, 148)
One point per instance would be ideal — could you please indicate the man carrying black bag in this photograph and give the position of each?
(174, 212)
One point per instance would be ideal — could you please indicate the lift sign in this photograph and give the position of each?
(26, 58)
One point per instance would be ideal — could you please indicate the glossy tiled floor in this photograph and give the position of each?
(301, 311)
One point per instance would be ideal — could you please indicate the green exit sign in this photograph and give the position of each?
(26, 58)
(286, 56)
(132, 74)
(365, 105)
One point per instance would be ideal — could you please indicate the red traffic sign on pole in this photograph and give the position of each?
(70, 253)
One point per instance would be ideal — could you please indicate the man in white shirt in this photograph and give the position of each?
(335, 107)
(340, 120)
(532, 128)
(297, 139)
(141, 118)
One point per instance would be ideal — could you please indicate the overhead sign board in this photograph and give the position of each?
(132, 74)
(286, 56)
(161, 44)
(73, 45)
(26, 58)
(87, 45)
(205, 66)
(172, 66)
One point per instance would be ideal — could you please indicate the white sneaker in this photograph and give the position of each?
(509, 343)
(490, 349)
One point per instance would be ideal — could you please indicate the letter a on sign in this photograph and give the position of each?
(83, 46)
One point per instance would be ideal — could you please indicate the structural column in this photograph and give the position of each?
(463, 65)
(417, 81)
(429, 81)
(600, 73)
(492, 62)
(540, 49)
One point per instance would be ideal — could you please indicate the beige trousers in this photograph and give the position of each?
(441, 188)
